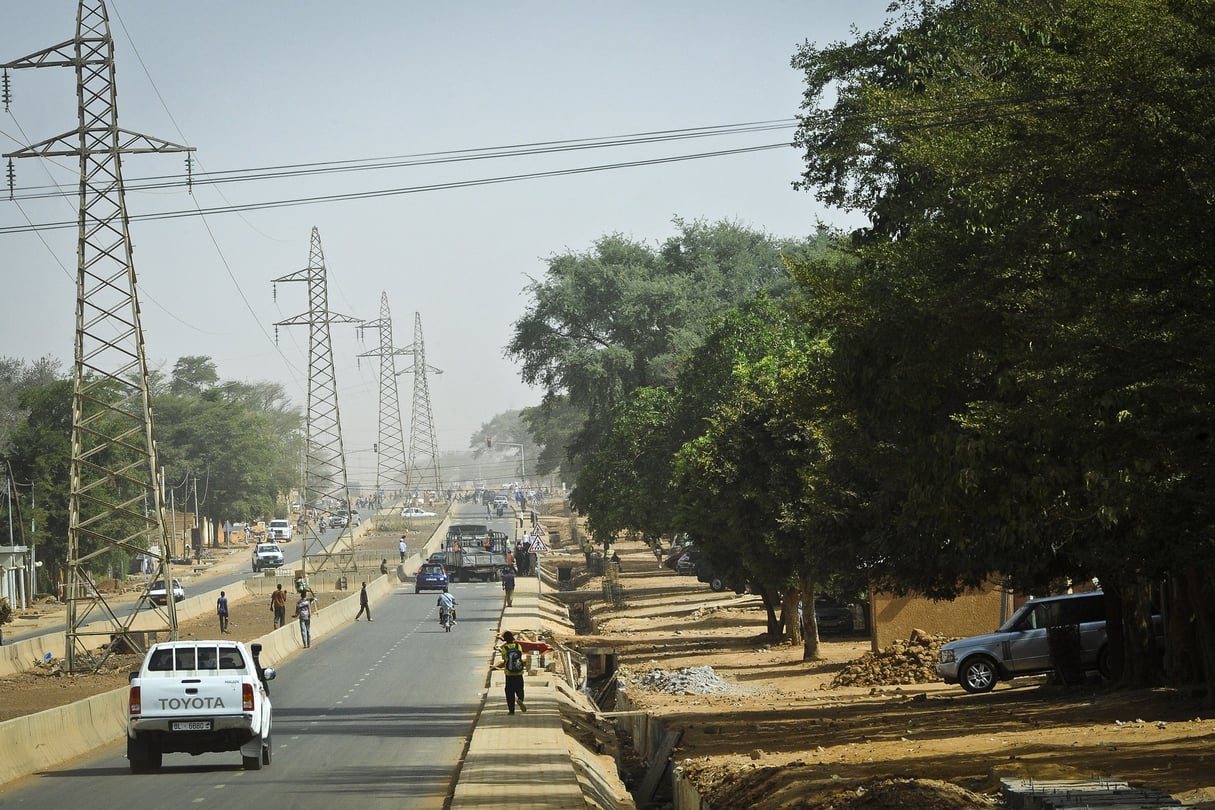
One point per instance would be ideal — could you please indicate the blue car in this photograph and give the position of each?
(431, 576)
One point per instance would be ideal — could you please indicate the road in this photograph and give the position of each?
(374, 716)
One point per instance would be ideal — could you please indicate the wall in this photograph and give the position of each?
(972, 613)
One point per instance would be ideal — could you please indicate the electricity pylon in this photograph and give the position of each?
(422, 430)
(325, 480)
(391, 472)
(116, 505)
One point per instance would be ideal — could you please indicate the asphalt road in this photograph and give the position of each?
(376, 715)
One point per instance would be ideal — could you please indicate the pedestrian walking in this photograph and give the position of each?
(658, 552)
(278, 604)
(508, 585)
(303, 611)
(363, 606)
(384, 566)
(403, 548)
(221, 609)
(512, 663)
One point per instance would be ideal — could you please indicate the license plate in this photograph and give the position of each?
(192, 725)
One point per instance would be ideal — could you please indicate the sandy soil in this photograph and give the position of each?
(783, 738)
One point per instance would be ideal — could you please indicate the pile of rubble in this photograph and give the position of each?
(686, 681)
(903, 662)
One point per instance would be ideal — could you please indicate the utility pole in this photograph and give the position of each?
(326, 480)
(422, 433)
(391, 470)
(113, 439)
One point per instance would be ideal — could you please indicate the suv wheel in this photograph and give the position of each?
(717, 584)
(978, 674)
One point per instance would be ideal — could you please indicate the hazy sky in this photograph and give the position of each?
(277, 82)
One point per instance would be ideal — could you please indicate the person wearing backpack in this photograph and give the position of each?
(508, 585)
(512, 662)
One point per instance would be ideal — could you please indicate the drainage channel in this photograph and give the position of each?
(645, 744)
(1103, 793)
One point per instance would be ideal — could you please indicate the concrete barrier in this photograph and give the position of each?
(40, 741)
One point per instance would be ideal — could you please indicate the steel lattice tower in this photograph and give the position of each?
(391, 470)
(116, 502)
(422, 430)
(325, 466)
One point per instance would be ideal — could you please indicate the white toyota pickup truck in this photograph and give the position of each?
(197, 697)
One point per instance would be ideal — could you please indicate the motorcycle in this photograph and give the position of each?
(447, 618)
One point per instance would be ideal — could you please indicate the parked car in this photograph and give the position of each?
(430, 577)
(686, 564)
(439, 557)
(832, 617)
(416, 512)
(157, 592)
(1021, 646)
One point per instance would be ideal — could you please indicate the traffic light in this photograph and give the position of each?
(489, 442)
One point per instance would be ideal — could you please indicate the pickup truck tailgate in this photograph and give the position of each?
(182, 697)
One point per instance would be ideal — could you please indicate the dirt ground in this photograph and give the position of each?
(781, 737)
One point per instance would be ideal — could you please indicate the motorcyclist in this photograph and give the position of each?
(447, 604)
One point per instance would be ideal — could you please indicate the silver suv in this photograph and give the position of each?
(1021, 646)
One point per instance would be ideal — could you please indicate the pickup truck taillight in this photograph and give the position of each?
(133, 703)
(246, 697)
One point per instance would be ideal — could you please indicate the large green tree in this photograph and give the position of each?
(1032, 361)
(621, 315)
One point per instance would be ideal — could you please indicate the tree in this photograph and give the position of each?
(16, 377)
(41, 453)
(193, 374)
(1030, 360)
(621, 315)
(623, 484)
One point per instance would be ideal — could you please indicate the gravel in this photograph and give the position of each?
(686, 681)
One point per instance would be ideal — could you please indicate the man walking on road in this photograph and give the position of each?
(508, 585)
(221, 609)
(303, 610)
(363, 606)
(512, 663)
(278, 604)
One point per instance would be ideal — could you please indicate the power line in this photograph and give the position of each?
(157, 182)
(392, 192)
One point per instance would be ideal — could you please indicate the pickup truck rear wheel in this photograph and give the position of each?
(266, 755)
(978, 674)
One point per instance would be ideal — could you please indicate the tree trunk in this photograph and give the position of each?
(809, 623)
(1134, 653)
(793, 628)
(1202, 596)
(771, 598)
(1184, 664)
